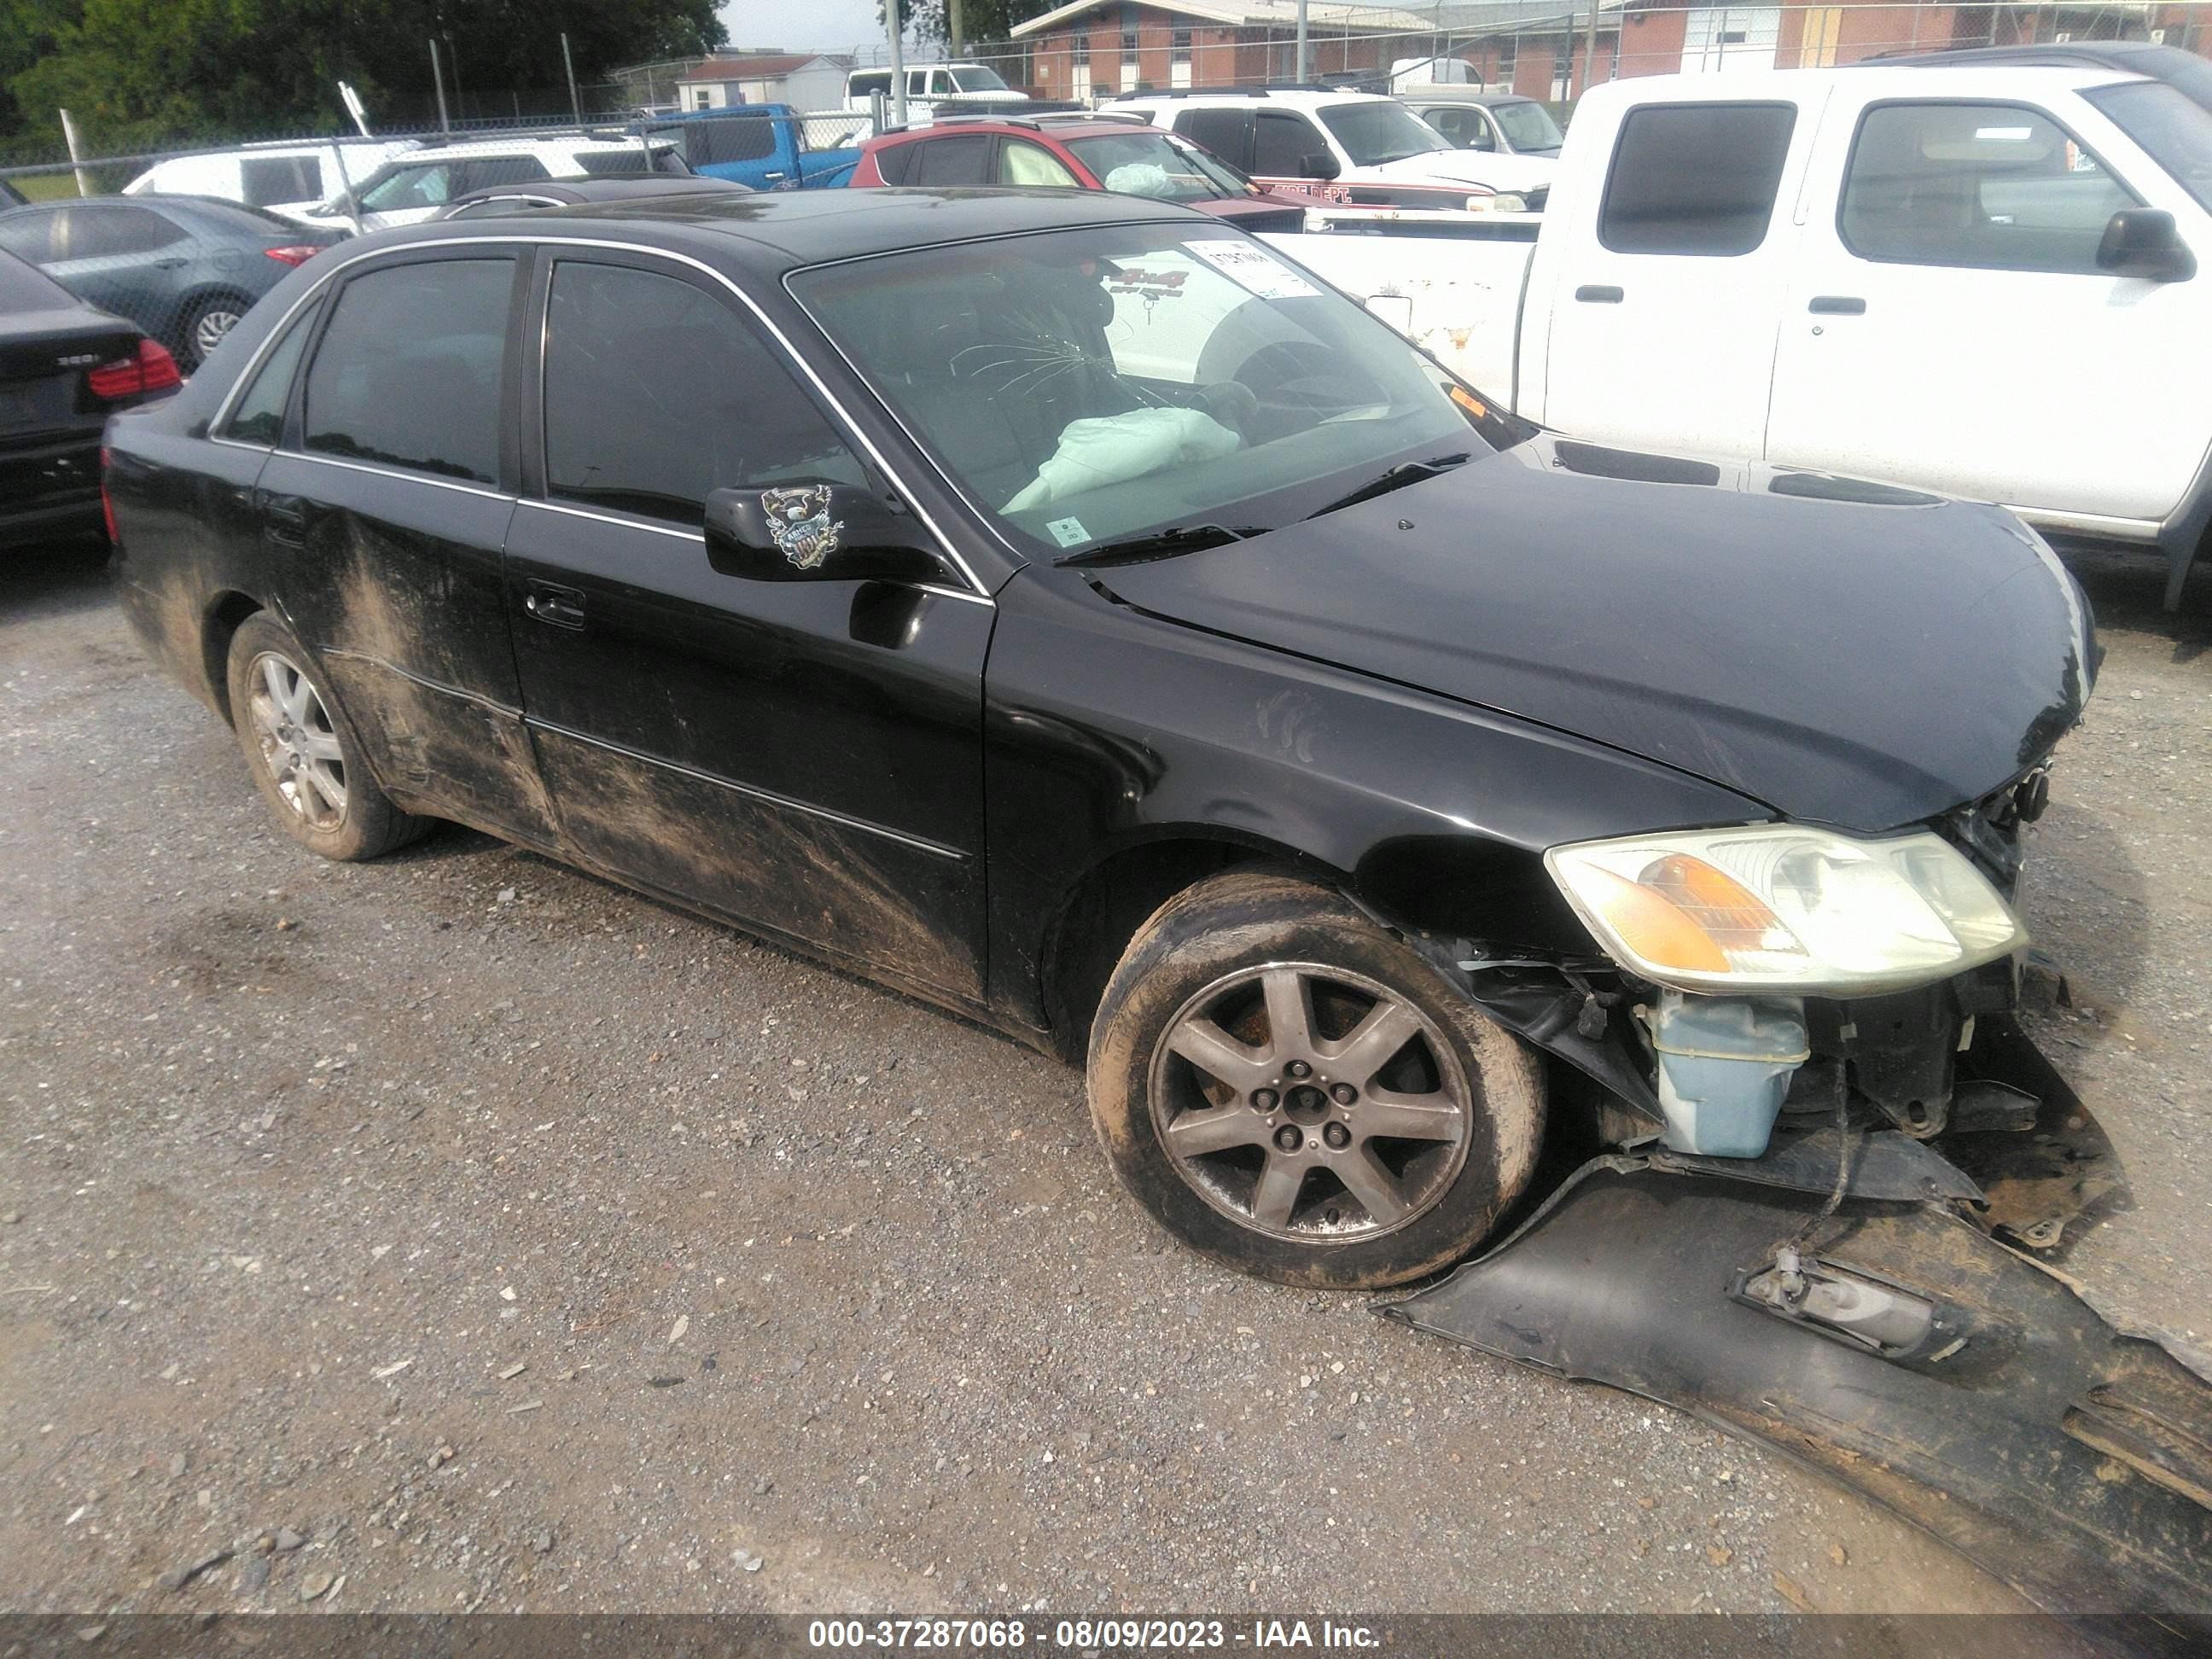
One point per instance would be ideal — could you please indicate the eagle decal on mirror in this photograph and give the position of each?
(799, 520)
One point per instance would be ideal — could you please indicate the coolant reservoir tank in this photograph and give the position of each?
(1724, 1064)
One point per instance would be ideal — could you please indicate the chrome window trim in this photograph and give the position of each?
(395, 472)
(550, 239)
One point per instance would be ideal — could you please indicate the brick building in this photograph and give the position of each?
(1091, 48)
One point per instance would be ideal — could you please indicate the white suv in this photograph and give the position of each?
(414, 186)
(294, 180)
(1355, 148)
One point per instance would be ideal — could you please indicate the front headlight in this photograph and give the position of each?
(1781, 908)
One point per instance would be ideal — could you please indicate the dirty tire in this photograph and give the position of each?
(1235, 931)
(363, 823)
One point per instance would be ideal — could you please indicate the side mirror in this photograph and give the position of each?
(2144, 242)
(1317, 164)
(809, 530)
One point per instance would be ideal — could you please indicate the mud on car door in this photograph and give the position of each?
(802, 757)
(387, 506)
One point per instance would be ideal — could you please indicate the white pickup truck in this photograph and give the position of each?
(1981, 281)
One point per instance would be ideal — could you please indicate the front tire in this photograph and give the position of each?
(1293, 1092)
(303, 752)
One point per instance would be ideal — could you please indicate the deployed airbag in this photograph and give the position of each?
(1114, 448)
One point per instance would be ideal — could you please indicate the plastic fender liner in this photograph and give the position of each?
(2068, 1458)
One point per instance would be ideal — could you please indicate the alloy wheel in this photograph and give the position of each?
(209, 330)
(1310, 1102)
(298, 744)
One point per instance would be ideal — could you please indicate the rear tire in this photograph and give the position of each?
(1356, 1122)
(303, 752)
(205, 327)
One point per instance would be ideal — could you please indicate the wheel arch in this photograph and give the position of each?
(219, 625)
(1086, 935)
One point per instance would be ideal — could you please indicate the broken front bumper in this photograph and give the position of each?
(1887, 1338)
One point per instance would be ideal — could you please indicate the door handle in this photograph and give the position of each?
(1837, 305)
(170, 265)
(284, 519)
(551, 604)
(1599, 294)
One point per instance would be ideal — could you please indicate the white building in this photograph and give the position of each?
(805, 81)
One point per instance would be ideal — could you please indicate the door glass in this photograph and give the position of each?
(105, 232)
(28, 235)
(407, 372)
(259, 416)
(409, 188)
(1998, 186)
(488, 171)
(735, 139)
(266, 179)
(894, 163)
(1023, 163)
(656, 394)
(960, 162)
(1226, 132)
(2173, 129)
(1279, 140)
(1695, 179)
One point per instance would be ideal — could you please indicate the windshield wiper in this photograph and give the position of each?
(1158, 544)
(1397, 477)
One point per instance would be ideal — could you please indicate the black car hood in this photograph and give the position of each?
(1847, 654)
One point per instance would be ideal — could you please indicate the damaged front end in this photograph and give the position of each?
(1821, 1217)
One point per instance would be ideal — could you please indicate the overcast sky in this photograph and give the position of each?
(802, 24)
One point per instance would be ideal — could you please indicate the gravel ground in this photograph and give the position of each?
(459, 1231)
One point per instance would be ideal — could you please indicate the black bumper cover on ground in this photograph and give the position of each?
(2068, 1457)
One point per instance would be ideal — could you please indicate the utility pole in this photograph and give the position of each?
(1589, 51)
(437, 75)
(575, 104)
(898, 64)
(1305, 60)
(952, 23)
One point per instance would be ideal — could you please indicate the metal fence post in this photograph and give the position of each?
(898, 64)
(569, 63)
(438, 75)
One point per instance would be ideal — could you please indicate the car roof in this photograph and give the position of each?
(1254, 97)
(769, 233)
(1013, 126)
(1933, 80)
(469, 148)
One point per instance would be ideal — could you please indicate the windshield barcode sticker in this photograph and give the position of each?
(1253, 267)
(1068, 532)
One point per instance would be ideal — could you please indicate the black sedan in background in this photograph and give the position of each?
(65, 368)
(184, 268)
(1058, 606)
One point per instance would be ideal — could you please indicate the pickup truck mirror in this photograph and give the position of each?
(2144, 242)
(810, 529)
(1318, 164)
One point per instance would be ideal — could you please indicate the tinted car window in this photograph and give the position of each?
(656, 394)
(1280, 141)
(1998, 186)
(28, 235)
(407, 372)
(266, 179)
(1461, 123)
(487, 170)
(23, 289)
(109, 232)
(896, 163)
(1226, 132)
(258, 417)
(956, 161)
(1695, 179)
(734, 138)
(2173, 129)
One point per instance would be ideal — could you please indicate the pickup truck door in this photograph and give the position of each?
(1947, 325)
(1662, 302)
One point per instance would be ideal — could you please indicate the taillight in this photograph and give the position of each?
(296, 254)
(107, 507)
(151, 368)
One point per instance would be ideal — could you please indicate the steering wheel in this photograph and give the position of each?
(1300, 378)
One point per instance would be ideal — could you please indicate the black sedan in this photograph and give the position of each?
(1058, 606)
(65, 368)
(184, 268)
(494, 200)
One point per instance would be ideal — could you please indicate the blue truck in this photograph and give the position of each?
(766, 146)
